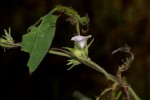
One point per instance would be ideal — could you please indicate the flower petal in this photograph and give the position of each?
(78, 38)
(81, 39)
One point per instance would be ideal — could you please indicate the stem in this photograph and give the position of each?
(133, 94)
(74, 17)
(112, 78)
(98, 68)
(78, 28)
(10, 45)
(125, 88)
(89, 63)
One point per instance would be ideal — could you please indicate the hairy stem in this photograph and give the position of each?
(98, 68)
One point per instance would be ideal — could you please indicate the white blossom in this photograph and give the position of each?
(81, 40)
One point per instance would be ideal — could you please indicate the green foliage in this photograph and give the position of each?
(74, 16)
(38, 40)
(6, 41)
(39, 37)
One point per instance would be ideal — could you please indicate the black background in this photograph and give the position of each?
(112, 24)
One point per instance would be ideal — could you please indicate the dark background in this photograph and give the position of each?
(113, 23)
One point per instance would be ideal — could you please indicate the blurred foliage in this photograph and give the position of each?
(113, 23)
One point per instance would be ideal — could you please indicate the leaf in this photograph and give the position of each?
(38, 40)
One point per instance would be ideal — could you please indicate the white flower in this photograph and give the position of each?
(81, 40)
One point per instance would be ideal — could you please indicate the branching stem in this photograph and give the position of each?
(98, 68)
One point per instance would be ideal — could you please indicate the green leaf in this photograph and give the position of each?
(38, 40)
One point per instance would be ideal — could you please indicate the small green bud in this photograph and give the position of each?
(77, 52)
(6, 41)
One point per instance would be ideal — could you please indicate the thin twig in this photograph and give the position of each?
(11, 45)
(126, 64)
(93, 65)
(125, 88)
